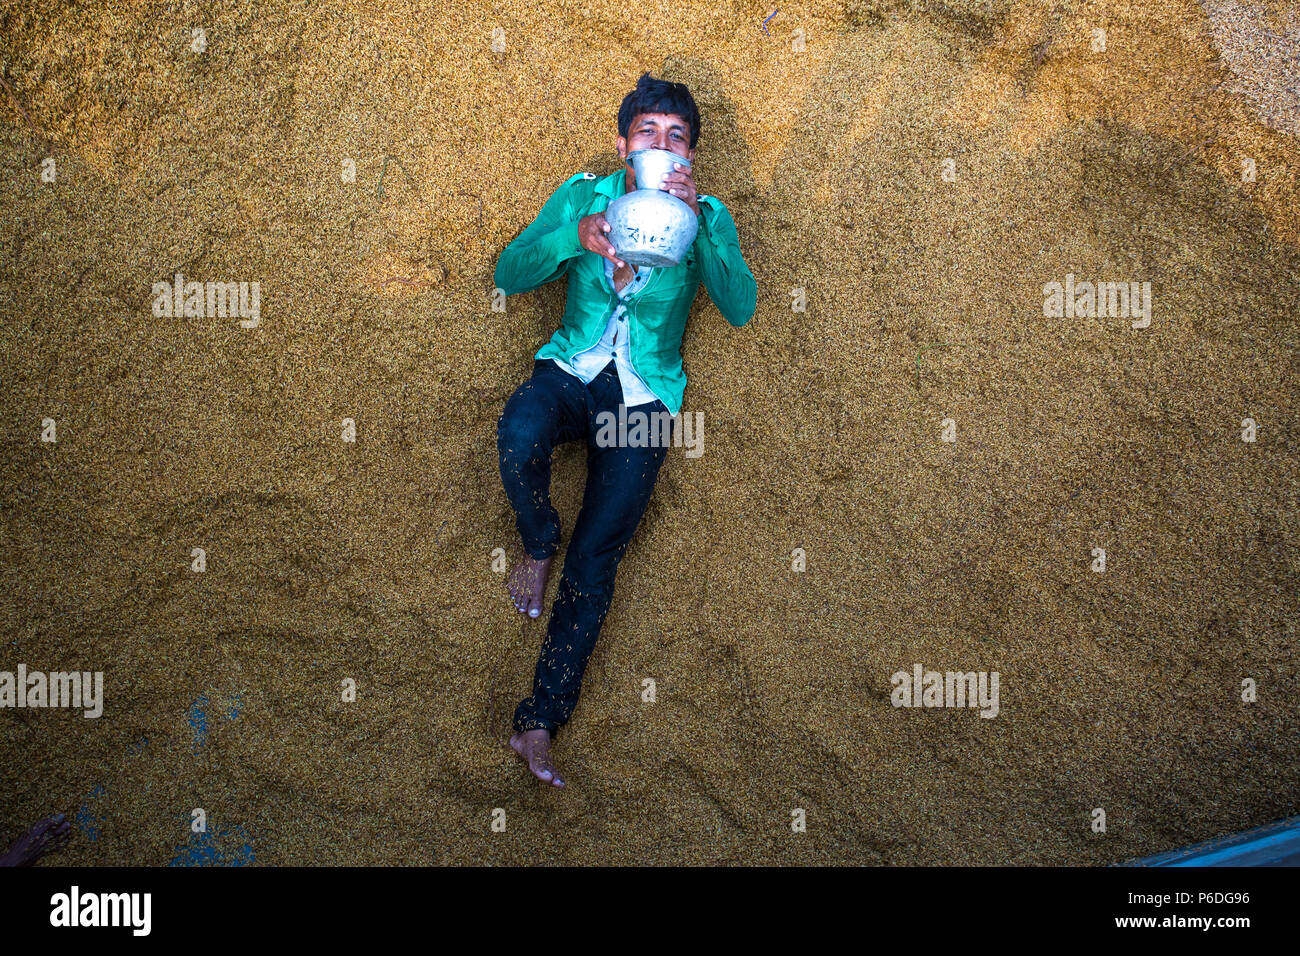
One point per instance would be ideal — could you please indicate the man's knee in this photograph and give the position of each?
(517, 444)
(523, 436)
(531, 420)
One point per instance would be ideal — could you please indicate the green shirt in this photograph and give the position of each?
(657, 314)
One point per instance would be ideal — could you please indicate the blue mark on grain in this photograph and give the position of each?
(88, 822)
(199, 721)
(224, 847)
(198, 717)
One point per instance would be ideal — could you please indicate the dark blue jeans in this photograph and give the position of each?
(549, 409)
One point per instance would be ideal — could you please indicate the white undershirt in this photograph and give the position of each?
(615, 344)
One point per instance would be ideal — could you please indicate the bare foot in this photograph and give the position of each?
(45, 837)
(534, 747)
(527, 584)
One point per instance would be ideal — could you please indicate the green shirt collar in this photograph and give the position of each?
(613, 185)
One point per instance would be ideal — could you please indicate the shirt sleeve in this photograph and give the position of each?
(727, 277)
(543, 251)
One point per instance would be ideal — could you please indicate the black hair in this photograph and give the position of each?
(659, 96)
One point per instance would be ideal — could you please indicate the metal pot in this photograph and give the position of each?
(649, 226)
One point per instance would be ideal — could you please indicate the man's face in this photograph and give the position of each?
(656, 131)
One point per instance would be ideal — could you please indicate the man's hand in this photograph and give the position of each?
(591, 234)
(682, 185)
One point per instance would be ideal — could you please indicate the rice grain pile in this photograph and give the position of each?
(920, 169)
